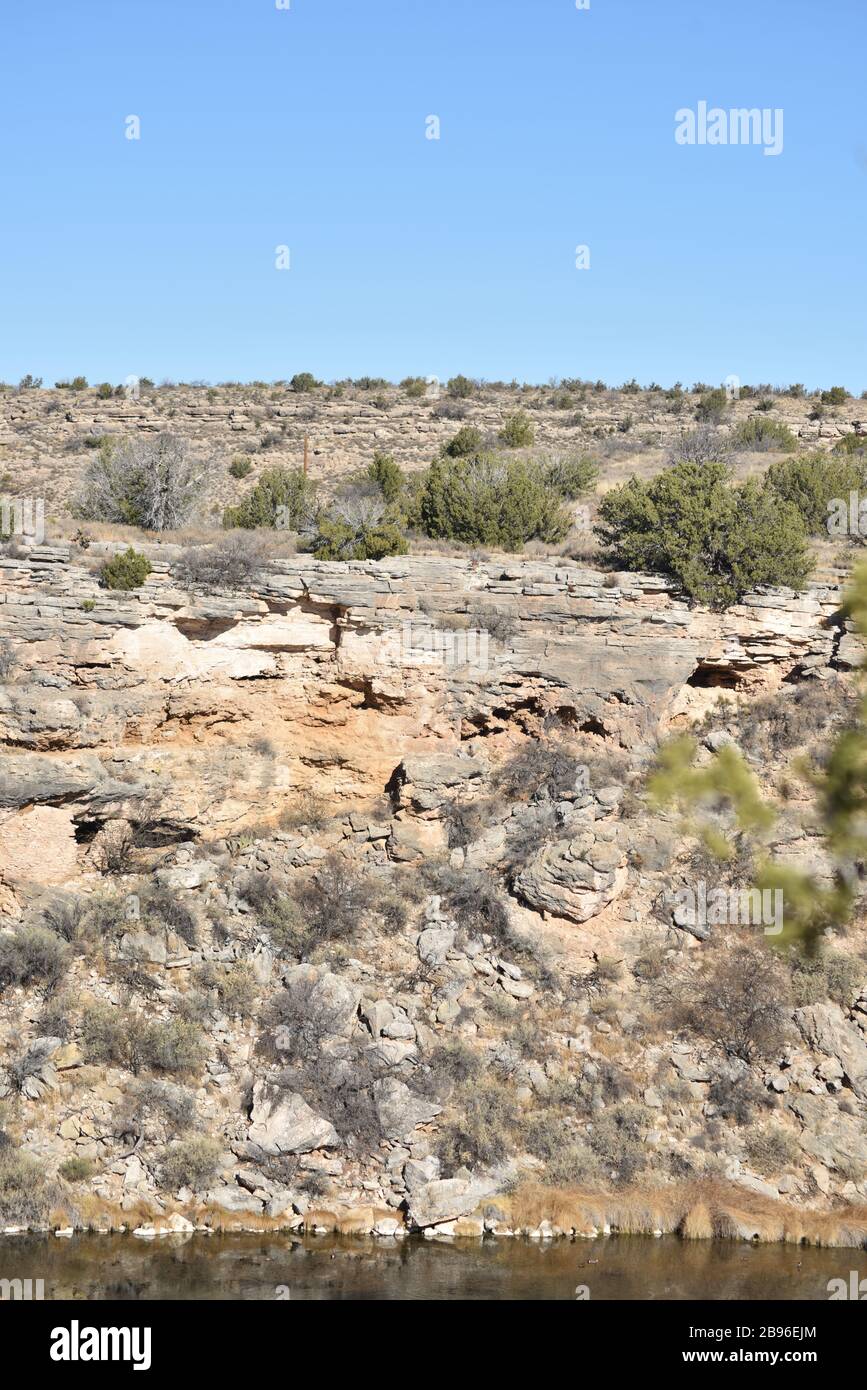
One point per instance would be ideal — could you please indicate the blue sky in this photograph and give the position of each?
(306, 127)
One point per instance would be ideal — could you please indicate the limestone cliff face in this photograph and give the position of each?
(212, 712)
(492, 934)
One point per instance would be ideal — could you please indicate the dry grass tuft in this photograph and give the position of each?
(696, 1211)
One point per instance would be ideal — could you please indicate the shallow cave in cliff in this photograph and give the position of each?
(715, 677)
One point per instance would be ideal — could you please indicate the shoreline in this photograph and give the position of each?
(705, 1212)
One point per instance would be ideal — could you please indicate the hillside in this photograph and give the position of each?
(46, 436)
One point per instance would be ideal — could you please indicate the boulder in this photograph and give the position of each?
(827, 1030)
(283, 1123)
(330, 999)
(434, 944)
(445, 1199)
(399, 1109)
(574, 878)
(187, 875)
(233, 1199)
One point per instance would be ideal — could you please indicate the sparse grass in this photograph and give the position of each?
(483, 1119)
(32, 955)
(771, 1150)
(234, 987)
(76, 1169)
(233, 561)
(758, 433)
(190, 1163)
(24, 1196)
(114, 1036)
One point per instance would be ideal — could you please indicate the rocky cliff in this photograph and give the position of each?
(373, 837)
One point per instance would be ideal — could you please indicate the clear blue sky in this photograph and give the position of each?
(306, 127)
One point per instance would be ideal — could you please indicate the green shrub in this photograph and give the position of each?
(568, 1161)
(810, 482)
(240, 466)
(105, 391)
(484, 1116)
(173, 1045)
(486, 501)
(337, 901)
(57, 1016)
(466, 442)
(165, 909)
(851, 444)
(126, 571)
(460, 387)
(414, 386)
(303, 382)
(518, 431)
(339, 540)
(68, 918)
(473, 898)
(827, 974)
(838, 395)
(387, 475)
(571, 476)
(111, 1036)
(32, 955)
(717, 541)
(106, 1035)
(370, 383)
(154, 1110)
(451, 1064)
(617, 1138)
(796, 716)
(759, 434)
(286, 489)
(712, 405)
(190, 1163)
(285, 924)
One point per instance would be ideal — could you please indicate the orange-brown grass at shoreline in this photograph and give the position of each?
(693, 1211)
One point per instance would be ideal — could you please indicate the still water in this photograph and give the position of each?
(271, 1267)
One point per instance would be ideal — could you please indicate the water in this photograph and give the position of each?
(256, 1267)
